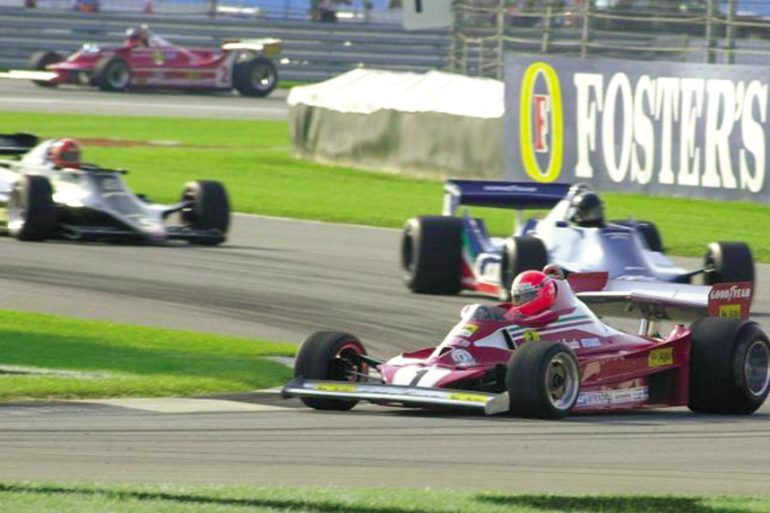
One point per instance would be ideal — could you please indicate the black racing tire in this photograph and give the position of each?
(255, 77)
(520, 254)
(330, 356)
(31, 210)
(39, 61)
(431, 254)
(728, 262)
(648, 231)
(543, 380)
(112, 74)
(208, 209)
(729, 361)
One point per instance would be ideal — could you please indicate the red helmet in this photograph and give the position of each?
(533, 292)
(65, 153)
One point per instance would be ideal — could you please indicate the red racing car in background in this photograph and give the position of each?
(146, 60)
(548, 355)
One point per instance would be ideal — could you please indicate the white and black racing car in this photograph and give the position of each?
(46, 192)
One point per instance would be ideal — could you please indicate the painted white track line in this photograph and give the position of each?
(184, 405)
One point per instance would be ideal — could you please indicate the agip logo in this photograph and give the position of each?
(541, 123)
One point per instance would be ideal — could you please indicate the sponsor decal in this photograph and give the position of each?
(194, 75)
(730, 300)
(541, 122)
(157, 58)
(571, 343)
(630, 127)
(334, 387)
(462, 357)
(110, 184)
(625, 395)
(509, 188)
(487, 268)
(468, 330)
(468, 397)
(531, 336)
(734, 292)
(590, 342)
(732, 311)
(661, 357)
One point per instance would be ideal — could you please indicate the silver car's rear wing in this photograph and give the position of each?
(490, 404)
(17, 144)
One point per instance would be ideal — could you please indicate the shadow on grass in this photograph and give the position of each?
(181, 498)
(624, 504)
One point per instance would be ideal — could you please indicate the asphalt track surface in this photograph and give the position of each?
(23, 96)
(283, 279)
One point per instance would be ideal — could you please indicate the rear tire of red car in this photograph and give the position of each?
(729, 362)
(543, 380)
(31, 210)
(520, 254)
(209, 209)
(255, 77)
(728, 262)
(330, 356)
(112, 74)
(431, 254)
(39, 61)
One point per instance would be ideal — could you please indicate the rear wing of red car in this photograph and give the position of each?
(268, 47)
(661, 301)
(17, 144)
(501, 194)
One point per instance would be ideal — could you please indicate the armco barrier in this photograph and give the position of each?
(312, 51)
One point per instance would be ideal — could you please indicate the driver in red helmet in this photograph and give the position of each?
(65, 153)
(138, 36)
(533, 293)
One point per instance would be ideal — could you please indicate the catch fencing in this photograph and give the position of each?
(702, 31)
(312, 50)
(349, 10)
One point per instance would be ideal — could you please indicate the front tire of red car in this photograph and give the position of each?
(39, 61)
(543, 380)
(255, 77)
(330, 356)
(729, 366)
(112, 74)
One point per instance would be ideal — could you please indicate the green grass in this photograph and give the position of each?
(34, 498)
(115, 360)
(253, 159)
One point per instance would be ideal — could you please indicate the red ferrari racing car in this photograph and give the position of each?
(146, 60)
(547, 354)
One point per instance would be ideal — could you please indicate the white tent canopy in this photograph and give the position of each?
(434, 123)
(365, 91)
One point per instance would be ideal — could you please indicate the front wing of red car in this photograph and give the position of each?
(490, 404)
